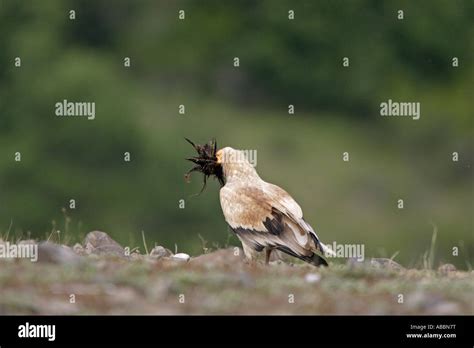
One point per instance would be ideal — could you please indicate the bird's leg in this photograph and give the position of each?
(250, 254)
(268, 251)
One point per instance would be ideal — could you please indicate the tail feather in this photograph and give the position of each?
(327, 250)
(318, 261)
(313, 259)
(324, 249)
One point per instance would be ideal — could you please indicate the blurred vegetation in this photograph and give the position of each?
(282, 62)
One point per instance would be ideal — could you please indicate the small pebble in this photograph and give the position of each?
(181, 257)
(312, 278)
(446, 268)
(158, 252)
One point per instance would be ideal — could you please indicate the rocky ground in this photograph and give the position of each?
(100, 277)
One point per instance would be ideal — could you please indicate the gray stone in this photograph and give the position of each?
(158, 252)
(447, 268)
(100, 243)
(78, 249)
(53, 253)
(386, 263)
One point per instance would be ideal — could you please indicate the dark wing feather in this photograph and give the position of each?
(260, 220)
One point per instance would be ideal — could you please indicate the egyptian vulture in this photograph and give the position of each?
(262, 215)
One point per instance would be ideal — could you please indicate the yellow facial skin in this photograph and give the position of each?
(219, 156)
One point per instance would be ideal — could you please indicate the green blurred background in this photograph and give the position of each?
(282, 62)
